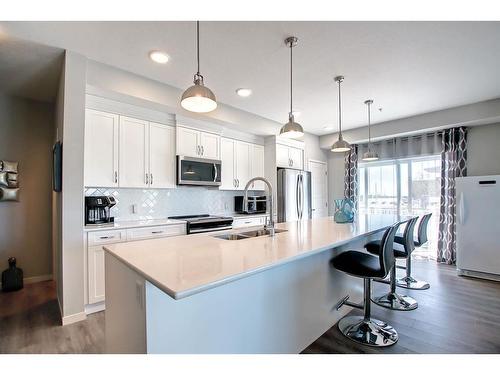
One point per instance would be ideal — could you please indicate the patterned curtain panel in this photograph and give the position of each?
(351, 174)
(453, 164)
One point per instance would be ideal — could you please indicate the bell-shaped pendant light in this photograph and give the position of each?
(198, 98)
(291, 129)
(369, 155)
(340, 145)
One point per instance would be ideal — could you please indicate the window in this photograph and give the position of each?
(405, 187)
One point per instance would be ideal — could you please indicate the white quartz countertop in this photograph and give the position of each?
(185, 265)
(133, 224)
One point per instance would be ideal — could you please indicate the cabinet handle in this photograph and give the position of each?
(237, 182)
(116, 177)
(106, 237)
(157, 232)
(197, 150)
(147, 179)
(202, 150)
(151, 178)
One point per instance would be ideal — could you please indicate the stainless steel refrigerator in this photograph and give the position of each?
(294, 195)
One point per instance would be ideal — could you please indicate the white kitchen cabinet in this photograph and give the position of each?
(228, 180)
(101, 149)
(242, 222)
(161, 156)
(198, 144)
(257, 166)
(289, 157)
(134, 153)
(242, 164)
(95, 251)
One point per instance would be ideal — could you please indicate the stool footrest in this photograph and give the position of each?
(345, 301)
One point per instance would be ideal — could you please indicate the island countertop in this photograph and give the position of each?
(185, 265)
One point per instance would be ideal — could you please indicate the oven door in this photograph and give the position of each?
(195, 171)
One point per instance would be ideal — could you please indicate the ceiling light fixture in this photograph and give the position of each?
(244, 92)
(198, 98)
(291, 129)
(369, 155)
(340, 145)
(159, 57)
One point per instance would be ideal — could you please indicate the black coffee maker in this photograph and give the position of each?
(98, 210)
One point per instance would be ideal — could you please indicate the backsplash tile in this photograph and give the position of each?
(161, 203)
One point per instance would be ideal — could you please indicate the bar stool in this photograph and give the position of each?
(393, 300)
(364, 329)
(408, 281)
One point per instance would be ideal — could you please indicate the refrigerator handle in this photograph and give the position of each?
(297, 194)
(461, 208)
(301, 196)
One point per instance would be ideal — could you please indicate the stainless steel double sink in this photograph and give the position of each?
(249, 234)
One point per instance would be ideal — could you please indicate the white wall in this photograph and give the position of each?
(483, 150)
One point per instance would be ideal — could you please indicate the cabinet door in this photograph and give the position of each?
(133, 162)
(242, 165)
(187, 142)
(282, 157)
(209, 144)
(227, 168)
(161, 156)
(95, 272)
(101, 149)
(296, 157)
(257, 166)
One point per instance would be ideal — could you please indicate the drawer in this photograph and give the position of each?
(106, 237)
(155, 232)
(248, 222)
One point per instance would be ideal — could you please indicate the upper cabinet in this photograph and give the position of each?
(101, 149)
(289, 156)
(241, 161)
(198, 144)
(122, 151)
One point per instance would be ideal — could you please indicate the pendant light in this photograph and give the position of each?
(369, 155)
(291, 129)
(340, 145)
(198, 98)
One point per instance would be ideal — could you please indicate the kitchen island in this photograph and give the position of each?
(204, 294)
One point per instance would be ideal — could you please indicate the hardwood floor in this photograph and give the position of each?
(456, 315)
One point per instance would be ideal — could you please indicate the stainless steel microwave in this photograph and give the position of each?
(196, 171)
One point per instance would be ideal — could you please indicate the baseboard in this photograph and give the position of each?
(70, 319)
(35, 279)
(478, 274)
(95, 307)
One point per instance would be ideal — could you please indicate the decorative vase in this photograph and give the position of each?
(344, 211)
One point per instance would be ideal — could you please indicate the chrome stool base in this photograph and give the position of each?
(370, 332)
(410, 283)
(395, 301)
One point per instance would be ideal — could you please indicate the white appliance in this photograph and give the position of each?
(478, 226)
(294, 195)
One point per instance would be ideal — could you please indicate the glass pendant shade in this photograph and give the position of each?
(198, 98)
(291, 129)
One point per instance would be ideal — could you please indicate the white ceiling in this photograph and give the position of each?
(408, 68)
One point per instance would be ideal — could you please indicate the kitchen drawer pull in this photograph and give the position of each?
(106, 237)
(157, 232)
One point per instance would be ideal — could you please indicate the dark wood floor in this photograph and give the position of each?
(457, 315)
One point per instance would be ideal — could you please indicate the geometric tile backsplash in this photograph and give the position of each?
(160, 203)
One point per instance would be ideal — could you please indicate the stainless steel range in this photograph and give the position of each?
(205, 223)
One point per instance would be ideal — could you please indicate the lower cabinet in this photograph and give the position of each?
(95, 252)
(242, 222)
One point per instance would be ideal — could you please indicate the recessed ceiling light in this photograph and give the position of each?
(159, 57)
(244, 92)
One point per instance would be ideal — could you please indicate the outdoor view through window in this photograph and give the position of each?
(404, 186)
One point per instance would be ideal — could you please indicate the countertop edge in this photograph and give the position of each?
(192, 291)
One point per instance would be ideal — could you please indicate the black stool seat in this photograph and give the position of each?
(373, 247)
(358, 264)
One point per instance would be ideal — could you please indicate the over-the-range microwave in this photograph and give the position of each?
(199, 172)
